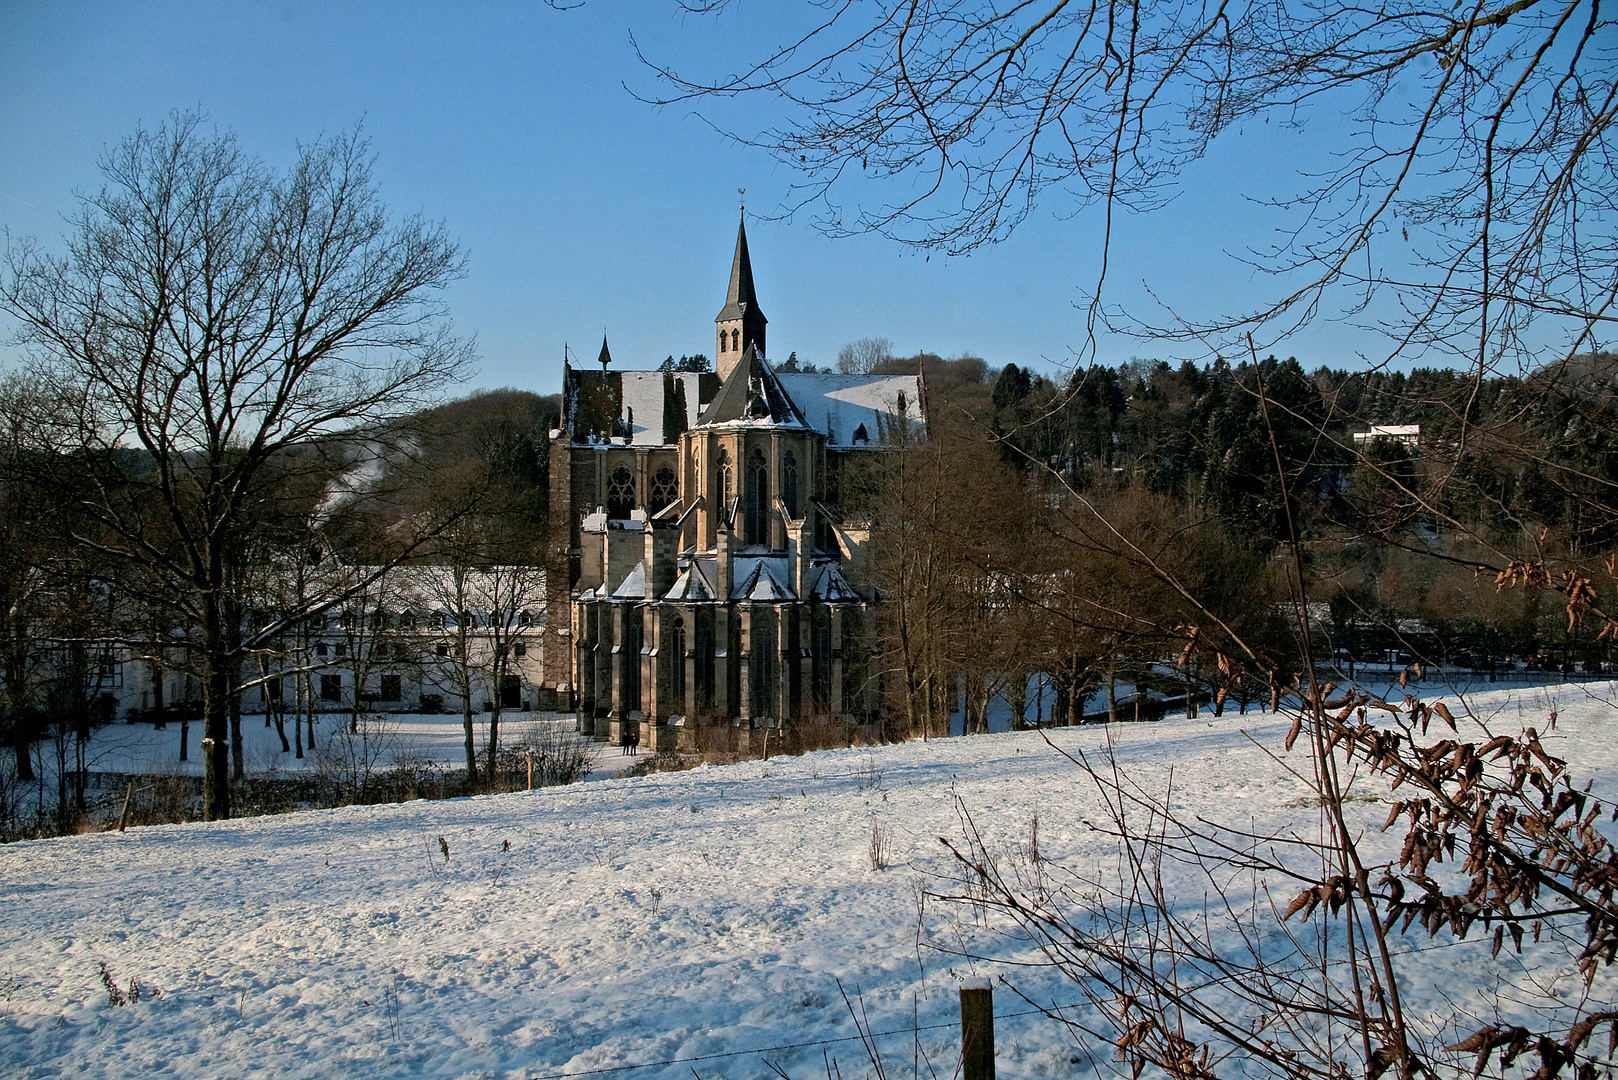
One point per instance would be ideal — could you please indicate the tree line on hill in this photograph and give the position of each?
(1203, 529)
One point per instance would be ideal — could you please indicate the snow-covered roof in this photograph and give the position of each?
(761, 578)
(634, 585)
(832, 585)
(645, 395)
(691, 586)
(632, 408)
(839, 406)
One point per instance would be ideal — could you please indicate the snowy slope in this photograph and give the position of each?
(665, 919)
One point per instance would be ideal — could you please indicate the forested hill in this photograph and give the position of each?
(1497, 453)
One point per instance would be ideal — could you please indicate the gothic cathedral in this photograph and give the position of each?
(714, 587)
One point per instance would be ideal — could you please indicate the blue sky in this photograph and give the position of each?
(582, 208)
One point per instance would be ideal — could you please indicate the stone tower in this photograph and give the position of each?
(740, 323)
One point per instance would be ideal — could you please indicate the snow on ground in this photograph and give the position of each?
(141, 749)
(618, 922)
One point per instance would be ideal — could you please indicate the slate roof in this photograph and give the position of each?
(762, 578)
(740, 299)
(691, 586)
(752, 395)
(634, 584)
(832, 585)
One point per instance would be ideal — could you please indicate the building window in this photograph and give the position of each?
(620, 493)
(735, 341)
(443, 650)
(331, 688)
(391, 689)
(724, 482)
(789, 483)
(677, 660)
(664, 489)
(320, 648)
(758, 499)
(722, 337)
(520, 649)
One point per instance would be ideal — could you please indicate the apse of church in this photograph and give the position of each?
(712, 585)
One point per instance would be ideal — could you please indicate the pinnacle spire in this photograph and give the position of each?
(606, 357)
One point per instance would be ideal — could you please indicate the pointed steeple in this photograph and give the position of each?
(740, 323)
(606, 357)
(740, 299)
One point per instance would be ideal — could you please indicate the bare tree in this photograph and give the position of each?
(210, 319)
(861, 357)
(490, 618)
(1473, 186)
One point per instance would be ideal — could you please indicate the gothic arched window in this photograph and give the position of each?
(664, 489)
(789, 482)
(726, 485)
(620, 493)
(722, 337)
(735, 341)
(758, 499)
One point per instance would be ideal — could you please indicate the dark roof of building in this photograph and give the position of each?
(740, 300)
(752, 394)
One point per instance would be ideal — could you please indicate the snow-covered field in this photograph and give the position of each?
(662, 921)
(145, 750)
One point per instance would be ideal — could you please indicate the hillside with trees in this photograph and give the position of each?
(1120, 522)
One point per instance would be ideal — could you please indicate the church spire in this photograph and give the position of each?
(606, 357)
(740, 322)
(741, 299)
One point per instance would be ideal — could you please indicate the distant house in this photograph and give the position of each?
(1404, 434)
(425, 639)
(711, 577)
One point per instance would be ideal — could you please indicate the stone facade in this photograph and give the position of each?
(711, 581)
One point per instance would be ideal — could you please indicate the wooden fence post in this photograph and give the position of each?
(977, 1031)
(129, 794)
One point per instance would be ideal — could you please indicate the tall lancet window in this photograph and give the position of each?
(735, 341)
(758, 499)
(677, 661)
(726, 484)
(789, 483)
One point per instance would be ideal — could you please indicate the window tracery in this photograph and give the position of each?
(665, 489)
(620, 493)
